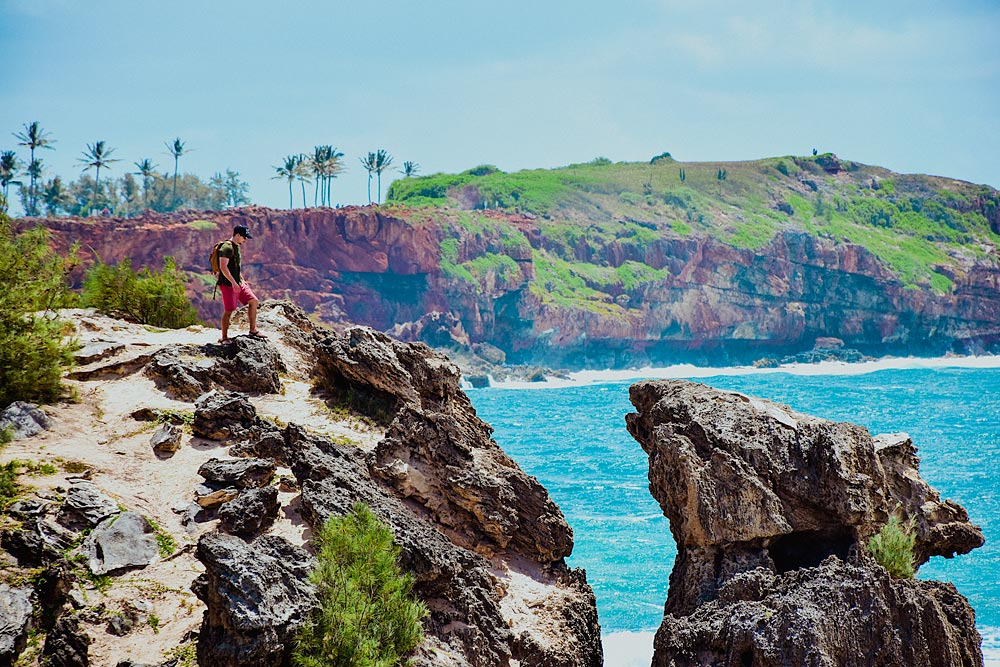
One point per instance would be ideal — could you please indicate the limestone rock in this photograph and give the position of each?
(24, 419)
(67, 644)
(121, 542)
(219, 415)
(437, 452)
(38, 542)
(770, 510)
(249, 365)
(167, 439)
(243, 473)
(251, 512)
(15, 621)
(257, 596)
(208, 497)
(86, 506)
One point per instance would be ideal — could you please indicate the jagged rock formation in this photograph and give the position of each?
(771, 510)
(469, 522)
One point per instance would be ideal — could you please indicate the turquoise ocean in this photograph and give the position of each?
(571, 435)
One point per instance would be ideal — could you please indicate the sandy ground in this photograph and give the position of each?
(98, 431)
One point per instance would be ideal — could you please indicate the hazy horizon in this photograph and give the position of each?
(911, 87)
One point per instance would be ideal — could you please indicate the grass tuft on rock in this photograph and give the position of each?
(367, 616)
(892, 548)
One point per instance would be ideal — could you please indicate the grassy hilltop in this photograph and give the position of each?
(922, 228)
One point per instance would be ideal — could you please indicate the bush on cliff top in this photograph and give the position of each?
(367, 615)
(145, 297)
(892, 548)
(33, 352)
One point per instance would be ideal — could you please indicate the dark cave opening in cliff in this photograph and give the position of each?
(808, 548)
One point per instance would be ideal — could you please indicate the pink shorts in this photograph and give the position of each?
(234, 297)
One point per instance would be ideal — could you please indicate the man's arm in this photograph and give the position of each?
(224, 270)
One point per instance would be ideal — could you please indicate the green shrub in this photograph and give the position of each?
(145, 297)
(367, 615)
(9, 488)
(33, 351)
(892, 548)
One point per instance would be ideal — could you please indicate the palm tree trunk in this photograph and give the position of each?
(303, 184)
(369, 187)
(290, 204)
(174, 202)
(379, 188)
(316, 193)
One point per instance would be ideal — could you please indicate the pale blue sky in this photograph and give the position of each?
(913, 86)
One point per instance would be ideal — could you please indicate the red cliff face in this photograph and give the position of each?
(711, 302)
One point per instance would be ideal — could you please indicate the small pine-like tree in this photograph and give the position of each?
(146, 297)
(892, 548)
(367, 616)
(33, 349)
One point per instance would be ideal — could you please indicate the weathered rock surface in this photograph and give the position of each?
(251, 512)
(249, 365)
(770, 510)
(37, 542)
(437, 452)
(15, 621)
(244, 473)
(257, 595)
(67, 644)
(86, 506)
(167, 439)
(219, 415)
(120, 542)
(24, 419)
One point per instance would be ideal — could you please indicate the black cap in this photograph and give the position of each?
(242, 231)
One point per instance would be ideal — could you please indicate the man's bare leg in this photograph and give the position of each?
(226, 317)
(252, 315)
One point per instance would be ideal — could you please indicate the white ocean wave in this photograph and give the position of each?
(635, 649)
(688, 371)
(628, 649)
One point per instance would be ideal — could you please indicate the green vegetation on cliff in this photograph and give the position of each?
(919, 227)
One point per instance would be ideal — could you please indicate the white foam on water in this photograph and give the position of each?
(628, 649)
(635, 649)
(688, 371)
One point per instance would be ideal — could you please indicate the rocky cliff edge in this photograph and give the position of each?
(188, 467)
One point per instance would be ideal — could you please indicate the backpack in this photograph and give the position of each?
(213, 259)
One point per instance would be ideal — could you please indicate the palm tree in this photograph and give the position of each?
(368, 162)
(409, 169)
(324, 164)
(146, 170)
(382, 162)
(288, 171)
(177, 150)
(9, 166)
(96, 156)
(33, 137)
(302, 174)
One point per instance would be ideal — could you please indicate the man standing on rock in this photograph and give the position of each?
(235, 290)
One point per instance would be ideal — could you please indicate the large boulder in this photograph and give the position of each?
(24, 419)
(120, 542)
(15, 621)
(67, 645)
(257, 596)
(219, 415)
(243, 473)
(771, 510)
(249, 365)
(251, 512)
(86, 506)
